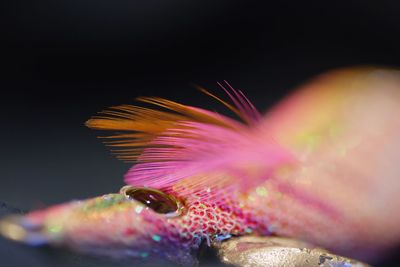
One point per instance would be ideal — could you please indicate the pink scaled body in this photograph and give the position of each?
(322, 166)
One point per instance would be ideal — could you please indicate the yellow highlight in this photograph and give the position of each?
(10, 229)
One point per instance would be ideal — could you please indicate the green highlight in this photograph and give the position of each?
(261, 191)
(55, 229)
(103, 202)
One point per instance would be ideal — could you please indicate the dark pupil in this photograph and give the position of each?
(154, 199)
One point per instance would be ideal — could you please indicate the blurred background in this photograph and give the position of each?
(65, 60)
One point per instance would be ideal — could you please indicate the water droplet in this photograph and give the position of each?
(158, 201)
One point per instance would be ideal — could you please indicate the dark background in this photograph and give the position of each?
(65, 60)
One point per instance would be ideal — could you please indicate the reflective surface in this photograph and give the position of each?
(279, 251)
(155, 199)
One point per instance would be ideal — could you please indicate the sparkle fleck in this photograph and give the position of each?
(144, 254)
(222, 237)
(202, 206)
(138, 209)
(248, 230)
(261, 191)
(156, 238)
(106, 197)
(55, 229)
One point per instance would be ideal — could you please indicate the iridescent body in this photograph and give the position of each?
(322, 166)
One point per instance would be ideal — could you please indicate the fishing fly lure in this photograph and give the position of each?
(322, 166)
